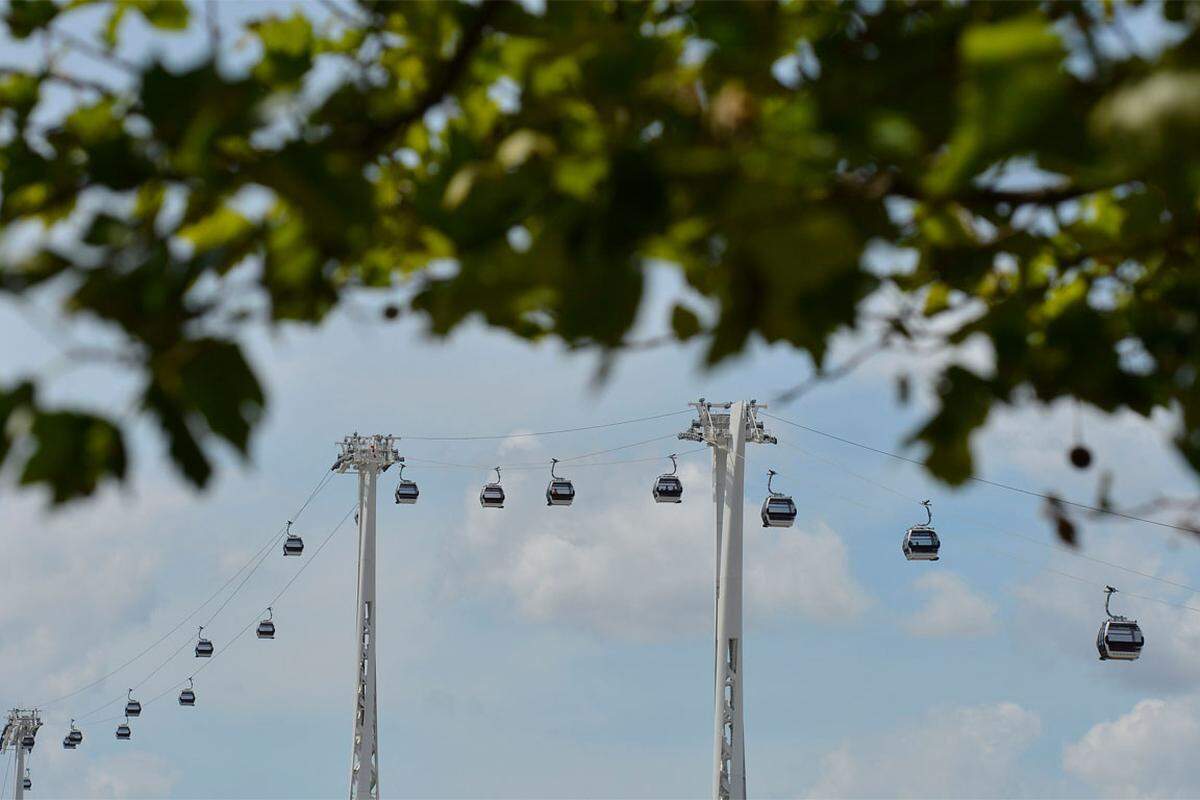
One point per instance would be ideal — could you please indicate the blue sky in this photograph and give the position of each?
(538, 652)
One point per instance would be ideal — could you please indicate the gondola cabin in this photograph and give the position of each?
(187, 697)
(668, 489)
(1119, 640)
(407, 493)
(560, 492)
(266, 629)
(492, 496)
(921, 543)
(778, 511)
(294, 545)
(406, 490)
(123, 731)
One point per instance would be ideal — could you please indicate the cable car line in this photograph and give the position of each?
(226, 646)
(977, 479)
(1037, 565)
(539, 465)
(476, 438)
(1077, 553)
(321, 484)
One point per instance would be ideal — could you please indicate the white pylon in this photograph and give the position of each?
(368, 456)
(726, 427)
(21, 723)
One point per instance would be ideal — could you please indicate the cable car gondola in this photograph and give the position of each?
(67, 743)
(1119, 639)
(492, 494)
(560, 491)
(266, 628)
(406, 490)
(74, 736)
(26, 782)
(187, 697)
(133, 708)
(27, 741)
(778, 510)
(921, 542)
(294, 545)
(667, 487)
(123, 730)
(204, 647)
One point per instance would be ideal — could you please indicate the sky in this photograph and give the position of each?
(566, 652)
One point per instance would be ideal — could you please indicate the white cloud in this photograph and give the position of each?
(1148, 752)
(951, 608)
(130, 775)
(961, 752)
(639, 570)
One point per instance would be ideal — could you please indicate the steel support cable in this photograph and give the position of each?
(225, 647)
(987, 482)
(1005, 532)
(530, 465)
(321, 484)
(1031, 562)
(432, 464)
(474, 438)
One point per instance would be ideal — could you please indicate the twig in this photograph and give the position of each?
(472, 35)
(214, 27)
(344, 15)
(96, 52)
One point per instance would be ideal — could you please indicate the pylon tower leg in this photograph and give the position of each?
(364, 765)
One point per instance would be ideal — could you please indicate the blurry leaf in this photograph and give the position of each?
(1013, 77)
(287, 49)
(72, 453)
(684, 322)
(23, 17)
(964, 400)
(13, 401)
(1064, 528)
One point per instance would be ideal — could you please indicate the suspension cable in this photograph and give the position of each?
(1035, 564)
(527, 434)
(987, 482)
(265, 548)
(225, 647)
(539, 465)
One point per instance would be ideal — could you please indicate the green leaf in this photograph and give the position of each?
(684, 322)
(964, 402)
(288, 49)
(73, 453)
(1013, 84)
(23, 17)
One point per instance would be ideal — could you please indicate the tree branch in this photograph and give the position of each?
(472, 35)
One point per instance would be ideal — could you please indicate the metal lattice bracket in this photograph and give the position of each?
(711, 425)
(367, 453)
(21, 723)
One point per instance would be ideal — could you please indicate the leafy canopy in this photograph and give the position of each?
(763, 148)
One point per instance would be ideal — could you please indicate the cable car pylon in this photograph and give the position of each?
(368, 456)
(20, 732)
(726, 427)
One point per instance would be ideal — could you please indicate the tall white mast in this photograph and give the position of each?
(726, 427)
(368, 456)
(21, 723)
